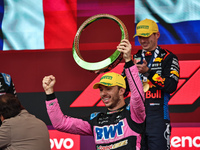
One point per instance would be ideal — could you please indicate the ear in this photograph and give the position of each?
(121, 91)
(158, 35)
(2, 118)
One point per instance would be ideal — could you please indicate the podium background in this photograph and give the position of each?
(179, 26)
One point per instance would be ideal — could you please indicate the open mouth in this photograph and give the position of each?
(145, 45)
(105, 99)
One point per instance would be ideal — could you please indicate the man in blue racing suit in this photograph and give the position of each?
(159, 71)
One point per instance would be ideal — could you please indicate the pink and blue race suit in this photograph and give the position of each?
(119, 130)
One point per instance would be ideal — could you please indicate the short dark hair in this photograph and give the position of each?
(10, 106)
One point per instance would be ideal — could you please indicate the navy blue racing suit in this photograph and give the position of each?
(162, 79)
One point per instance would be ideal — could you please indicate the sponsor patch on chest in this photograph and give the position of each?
(109, 131)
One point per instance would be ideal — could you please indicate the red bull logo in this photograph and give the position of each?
(149, 94)
(151, 85)
(158, 78)
(148, 53)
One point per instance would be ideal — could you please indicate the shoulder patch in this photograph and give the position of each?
(93, 115)
(7, 78)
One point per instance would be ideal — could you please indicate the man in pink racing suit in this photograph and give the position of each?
(120, 128)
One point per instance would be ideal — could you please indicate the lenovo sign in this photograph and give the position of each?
(67, 143)
(185, 138)
(185, 141)
(64, 141)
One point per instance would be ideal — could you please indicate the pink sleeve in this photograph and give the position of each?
(65, 123)
(137, 94)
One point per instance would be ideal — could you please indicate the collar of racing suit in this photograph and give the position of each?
(118, 110)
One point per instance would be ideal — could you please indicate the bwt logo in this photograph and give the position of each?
(186, 94)
(109, 132)
(66, 143)
(185, 141)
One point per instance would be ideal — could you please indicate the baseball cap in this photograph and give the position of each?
(111, 79)
(146, 27)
